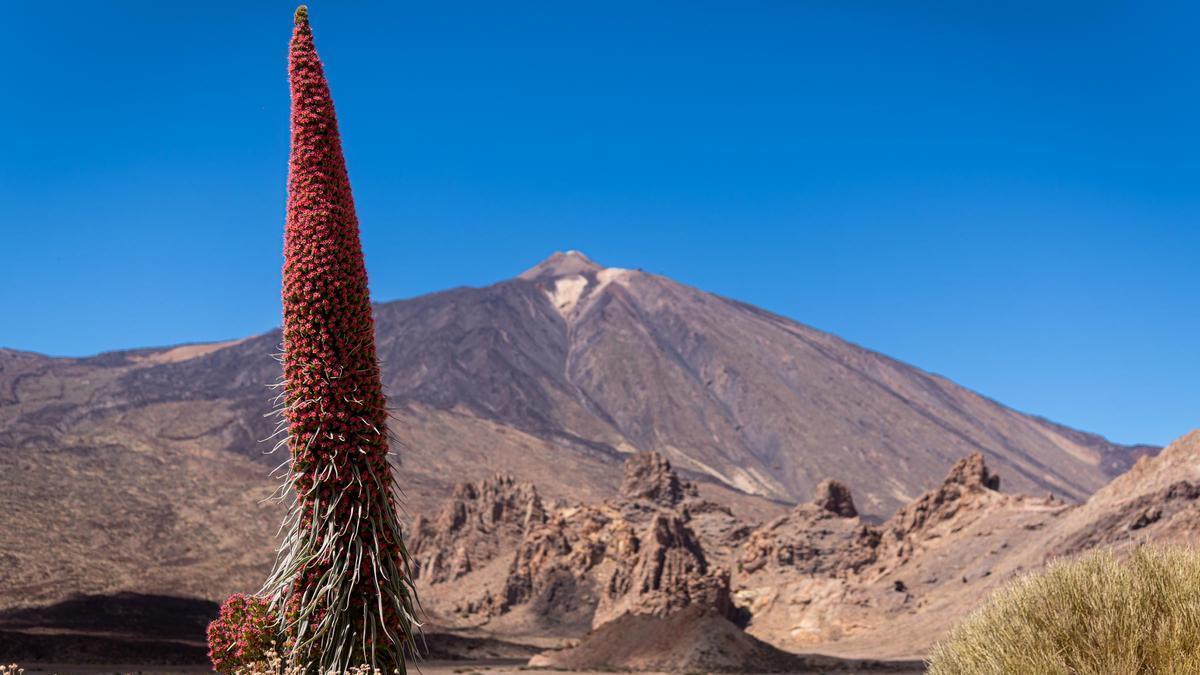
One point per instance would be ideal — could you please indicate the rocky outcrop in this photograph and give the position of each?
(819, 578)
(821, 575)
(834, 497)
(1171, 513)
(1158, 500)
(649, 477)
(477, 523)
(827, 538)
(972, 472)
(968, 487)
(635, 554)
(663, 570)
(811, 540)
(560, 555)
(658, 548)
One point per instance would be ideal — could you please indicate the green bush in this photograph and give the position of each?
(1095, 615)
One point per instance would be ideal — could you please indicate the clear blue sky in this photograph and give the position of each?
(1008, 196)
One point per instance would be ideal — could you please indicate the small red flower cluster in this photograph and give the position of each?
(243, 634)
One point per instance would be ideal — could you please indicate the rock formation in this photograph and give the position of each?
(968, 486)
(635, 554)
(659, 558)
(474, 526)
(834, 497)
(649, 477)
(661, 569)
(1171, 513)
(811, 540)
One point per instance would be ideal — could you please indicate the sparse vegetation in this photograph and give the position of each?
(1095, 615)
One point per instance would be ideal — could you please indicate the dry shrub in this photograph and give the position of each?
(1094, 615)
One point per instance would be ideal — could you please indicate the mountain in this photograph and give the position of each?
(605, 361)
(143, 470)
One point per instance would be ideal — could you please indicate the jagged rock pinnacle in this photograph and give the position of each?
(834, 497)
(972, 472)
(649, 476)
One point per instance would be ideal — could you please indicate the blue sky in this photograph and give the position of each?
(1005, 195)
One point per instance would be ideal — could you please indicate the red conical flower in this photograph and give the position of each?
(341, 584)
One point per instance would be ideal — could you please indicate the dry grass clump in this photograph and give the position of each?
(1095, 615)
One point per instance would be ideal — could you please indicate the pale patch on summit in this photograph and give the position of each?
(566, 292)
(571, 294)
(609, 275)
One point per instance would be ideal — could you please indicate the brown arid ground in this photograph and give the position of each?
(660, 578)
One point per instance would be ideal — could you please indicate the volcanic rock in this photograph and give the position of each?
(648, 566)
(1171, 513)
(969, 485)
(648, 476)
(810, 540)
(634, 554)
(661, 570)
(834, 497)
(473, 527)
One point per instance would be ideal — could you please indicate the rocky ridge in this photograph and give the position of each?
(473, 527)
(518, 567)
(819, 578)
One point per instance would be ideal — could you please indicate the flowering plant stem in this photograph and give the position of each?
(341, 586)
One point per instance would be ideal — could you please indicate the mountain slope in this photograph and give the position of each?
(137, 469)
(937, 558)
(611, 360)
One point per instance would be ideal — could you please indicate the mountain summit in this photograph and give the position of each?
(562, 264)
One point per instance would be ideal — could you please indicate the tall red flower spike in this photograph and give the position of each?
(341, 584)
